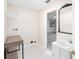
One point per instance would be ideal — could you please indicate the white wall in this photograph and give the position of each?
(51, 7)
(27, 23)
(5, 17)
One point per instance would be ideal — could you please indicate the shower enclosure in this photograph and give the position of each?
(51, 28)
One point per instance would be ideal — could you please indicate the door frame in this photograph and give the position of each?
(46, 25)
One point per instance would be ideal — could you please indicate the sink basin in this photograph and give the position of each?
(63, 44)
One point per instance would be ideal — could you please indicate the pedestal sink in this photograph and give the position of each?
(61, 49)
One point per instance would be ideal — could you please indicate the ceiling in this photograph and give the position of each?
(34, 4)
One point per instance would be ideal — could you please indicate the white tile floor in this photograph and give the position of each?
(36, 52)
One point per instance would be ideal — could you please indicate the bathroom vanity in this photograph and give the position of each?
(12, 44)
(62, 49)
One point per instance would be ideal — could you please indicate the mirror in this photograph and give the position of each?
(65, 19)
(51, 28)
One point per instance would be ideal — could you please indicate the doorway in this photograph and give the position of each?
(51, 28)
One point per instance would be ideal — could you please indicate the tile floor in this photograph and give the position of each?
(36, 52)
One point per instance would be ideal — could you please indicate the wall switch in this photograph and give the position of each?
(15, 29)
(34, 41)
(31, 42)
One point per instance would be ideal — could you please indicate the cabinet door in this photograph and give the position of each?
(65, 54)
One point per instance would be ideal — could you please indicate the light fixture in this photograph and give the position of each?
(47, 1)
